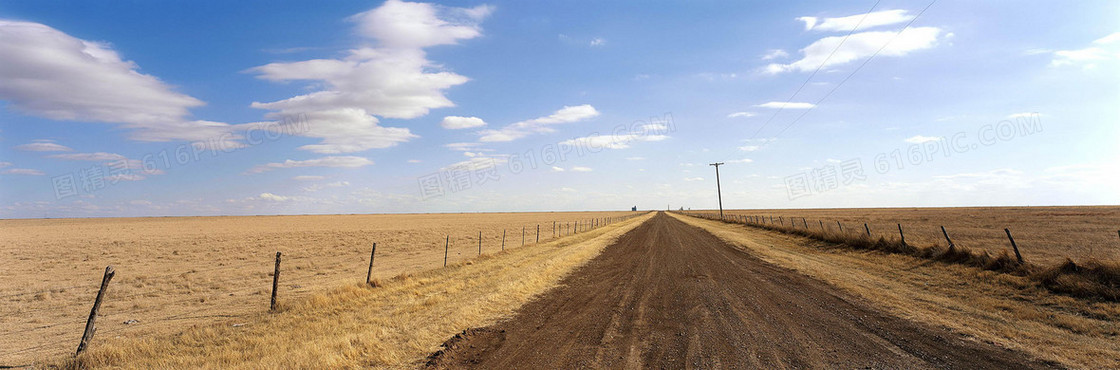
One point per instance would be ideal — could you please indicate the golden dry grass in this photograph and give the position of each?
(1045, 235)
(394, 325)
(183, 271)
(1006, 310)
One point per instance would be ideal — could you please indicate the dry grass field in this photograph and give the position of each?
(183, 271)
(1045, 235)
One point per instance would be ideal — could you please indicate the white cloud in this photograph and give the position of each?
(273, 197)
(919, 139)
(463, 146)
(404, 25)
(308, 178)
(823, 53)
(557, 169)
(790, 105)
(5, 164)
(744, 160)
(317, 187)
(50, 74)
(693, 179)
(336, 162)
(43, 146)
(98, 156)
(775, 54)
(456, 122)
(635, 158)
(598, 41)
(414, 161)
(23, 171)
(741, 114)
(869, 20)
(393, 79)
(1103, 49)
(623, 141)
(124, 177)
(567, 114)
(348, 130)
(581, 169)
(478, 163)
(750, 148)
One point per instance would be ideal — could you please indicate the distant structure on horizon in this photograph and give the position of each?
(634, 208)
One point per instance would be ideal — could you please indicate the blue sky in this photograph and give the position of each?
(241, 108)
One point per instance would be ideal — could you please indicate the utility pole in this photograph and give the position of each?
(718, 192)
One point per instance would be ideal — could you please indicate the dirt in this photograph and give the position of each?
(670, 295)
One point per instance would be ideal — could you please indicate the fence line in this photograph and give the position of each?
(771, 222)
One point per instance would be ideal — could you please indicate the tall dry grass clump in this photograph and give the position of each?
(1092, 279)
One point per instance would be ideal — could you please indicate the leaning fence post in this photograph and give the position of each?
(805, 222)
(87, 336)
(822, 224)
(1013, 246)
(275, 283)
(446, 242)
(946, 237)
(369, 273)
(867, 229)
(901, 235)
(841, 226)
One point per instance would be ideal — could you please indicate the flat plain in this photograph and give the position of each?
(175, 272)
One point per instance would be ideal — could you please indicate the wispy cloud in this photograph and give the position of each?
(868, 20)
(336, 162)
(1103, 49)
(775, 54)
(784, 105)
(741, 114)
(919, 139)
(621, 141)
(837, 50)
(567, 114)
(43, 146)
(23, 171)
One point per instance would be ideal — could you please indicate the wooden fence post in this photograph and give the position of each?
(275, 283)
(822, 224)
(446, 243)
(841, 226)
(523, 236)
(901, 235)
(538, 234)
(480, 243)
(868, 230)
(503, 239)
(783, 222)
(369, 273)
(946, 237)
(1013, 246)
(91, 328)
(805, 222)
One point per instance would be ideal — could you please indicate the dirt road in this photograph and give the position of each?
(670, 295)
